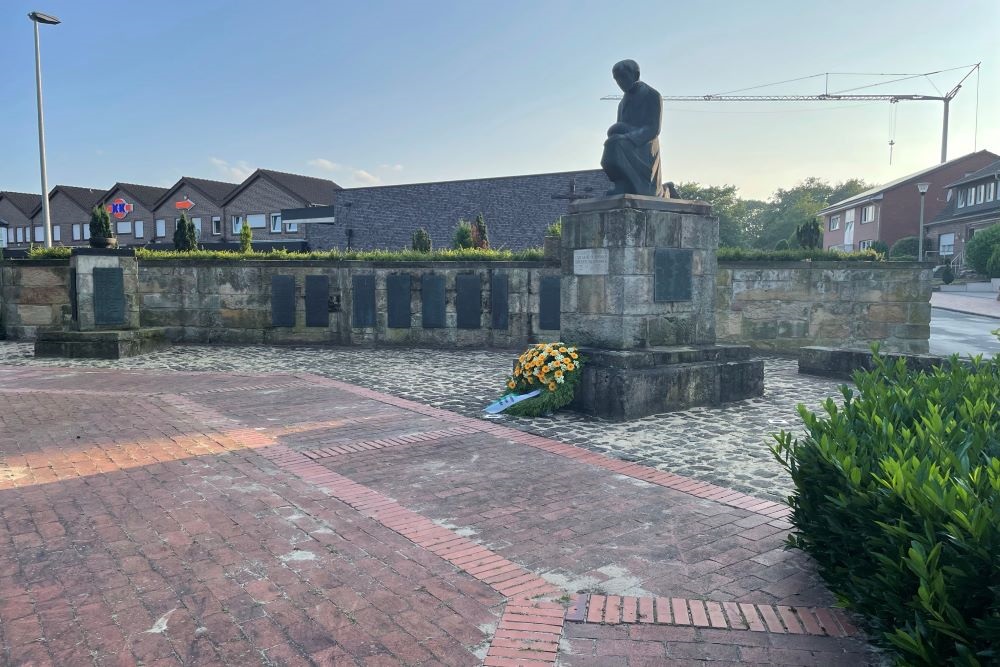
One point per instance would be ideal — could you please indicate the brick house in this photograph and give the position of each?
(131, 208)
(973, 204)
(15, 214)
(69, 209)
(517, 209)
(892, 211)
(259, 200)
(206, 211)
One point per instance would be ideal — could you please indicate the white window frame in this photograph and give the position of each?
(19, 235)
(864, 245)
(980, 193)
(291, 226)
(197, 227)
(39, 234)
(77, 234)
(834, 222)
(257, 220)
(991, 188)
(946, 249)
(57, 233)
(160, 230)
(3, 237)
(961, 198)
(237, 223)
(848, 216)
(275, 223)
(971, 197)
(123, 227)
(86, 231)
(138, 229)
(865, 210)
(216, 225)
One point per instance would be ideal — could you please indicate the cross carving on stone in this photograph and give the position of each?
(573, 194)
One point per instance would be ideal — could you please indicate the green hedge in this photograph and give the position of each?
(464, 255)
(897, 497)
(796, 255)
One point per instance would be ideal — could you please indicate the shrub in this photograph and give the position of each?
(553, 368)
(100, 223)
(897, 497)
(993, 266)
(881, 247)
(55, 252)
(795, 255)
(555, 229)
(979, 249)
(246, 238)
(907, 246)
(480, 236)
(185, 235)
(464, 255)
(947, 275)
(421, 241)
(463, 236)
(781, 245)
(809, 234)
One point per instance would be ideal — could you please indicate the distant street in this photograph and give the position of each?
(963, 334)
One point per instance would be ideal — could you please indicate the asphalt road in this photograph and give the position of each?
(963, 334)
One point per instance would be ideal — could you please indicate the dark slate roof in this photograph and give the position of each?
(25, 202)
(517, 209)
(147, 195)
(989, 170)
(85, 198)
(988, 210)
(217, 191)
(309, 189)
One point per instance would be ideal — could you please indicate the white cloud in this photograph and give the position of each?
(238, 171)
(324, 164)
(391, 167)
(365, 177)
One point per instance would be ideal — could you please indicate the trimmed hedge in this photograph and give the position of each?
(464, 255)
(905, 247)
(796, 255)
(897, 497)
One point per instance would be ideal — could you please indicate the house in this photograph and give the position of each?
(131, 208)
(890, 212)
(973, 204)
(259, 200)
(69, 213)
(201, 199)
(517, 209)
(15, 215)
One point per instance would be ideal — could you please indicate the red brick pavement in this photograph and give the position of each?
(185, 518)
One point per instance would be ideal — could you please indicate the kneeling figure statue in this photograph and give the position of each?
(632, 151)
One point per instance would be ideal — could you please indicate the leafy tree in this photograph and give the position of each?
(993, 266)
(787, 209)
(979, 249)
(735, 214)
(480, 236)
(809, 234)
(421, 241)
(246, 238)
(463, 236)
(100, 223)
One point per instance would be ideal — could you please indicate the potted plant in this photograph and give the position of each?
(553, 242)
(101, 235)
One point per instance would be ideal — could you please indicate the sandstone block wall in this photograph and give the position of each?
(783, 306)
(33, 295)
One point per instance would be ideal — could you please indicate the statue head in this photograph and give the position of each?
(626, 73)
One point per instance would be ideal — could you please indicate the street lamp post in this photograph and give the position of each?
(923, 188)
(36, 18)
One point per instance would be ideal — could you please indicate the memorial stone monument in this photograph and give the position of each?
(638, 282)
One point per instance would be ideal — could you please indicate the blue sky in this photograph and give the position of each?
(394, 92)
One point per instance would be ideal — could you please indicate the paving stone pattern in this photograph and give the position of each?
(726, 446)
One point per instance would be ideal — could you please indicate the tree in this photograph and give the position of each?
(809, 234)
(463, 236)
(421, 241)
(908, 246)
(246, 238)
(185, 235)
(787, 209)
(979, 249)
(735, 214)
(100, 223)
(480, 237)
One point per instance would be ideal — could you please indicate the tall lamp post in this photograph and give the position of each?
(36, 18)
(923, 188)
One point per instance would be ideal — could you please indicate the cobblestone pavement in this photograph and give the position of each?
(726, 445)
(201, 518)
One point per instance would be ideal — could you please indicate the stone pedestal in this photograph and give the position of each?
(638, 296)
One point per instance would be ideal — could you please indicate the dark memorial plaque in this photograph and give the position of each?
(397, 287)
(317, 301)
(672, 274)
(549, 300)
(364, 301)
(282, 301)
(72, 295)
(468, 301)
(499, 306)
(109, 296)
(432, 300)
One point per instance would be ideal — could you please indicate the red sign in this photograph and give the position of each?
(119, 208)
(185, 205)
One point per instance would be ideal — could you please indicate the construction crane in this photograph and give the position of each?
(841, 96)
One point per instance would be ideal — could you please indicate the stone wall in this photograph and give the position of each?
(783, 306)
(34, 294)
(201, 302)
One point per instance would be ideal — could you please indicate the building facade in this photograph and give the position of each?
(131, 209)
(259, 200)
(890, 212)
(15, 214)
(69, 210)
(973, 204)
(201, 199)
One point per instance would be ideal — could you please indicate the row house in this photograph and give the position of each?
(890, 212)
(15, 215)
(69, 210)
(259, 200)
(973, 204)
(131, 208)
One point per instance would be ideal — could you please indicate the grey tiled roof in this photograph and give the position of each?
(309, 189)
(147, 195)
(991, 169)
(25, 202)
(85, 198)
(216, 191)
(517, 209)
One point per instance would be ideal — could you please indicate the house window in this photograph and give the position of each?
(834, 223)
(291, 226)
(86, 232)
(216, 225)
(257, 221)
(123, 227)
(76, 232)
(961, 199)
(946, 244)
(867, 243)
(971, 196)
(161, 228)
(197, 227)
(237, 221)
(980, 193)
(867, 214)
(39, 234)
(139, 230)
(19, 235)
(56, 233)
(276, 223)
(990, 190)
(849, 217)
(3, 237)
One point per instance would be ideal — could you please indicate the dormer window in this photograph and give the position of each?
(980, 193)
(991, 188)
(961, 199)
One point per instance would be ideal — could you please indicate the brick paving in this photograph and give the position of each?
(151, 517)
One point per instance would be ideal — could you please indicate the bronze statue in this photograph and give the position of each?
(632, 150)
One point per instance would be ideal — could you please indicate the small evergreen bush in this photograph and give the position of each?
(908, 246)
(809, 234)
(421, 241)
(897, 497)
(246, 238)
(100, 223)
(480, 235)
(555, 229)
(979, 249)
(185, 235)
(947, 275)
(463, 236)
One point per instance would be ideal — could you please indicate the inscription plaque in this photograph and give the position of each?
(72, 295)
(364, 301)
(432, 300)
(499, 301)
(549, 299)
(397, 287)
(590, 262)
(468, 301)
(109, 296)
(282, 301)
(317, 301)
(672, 274)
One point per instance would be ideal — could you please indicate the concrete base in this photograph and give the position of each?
(623, 385)
(841, 364)
(114, 344)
